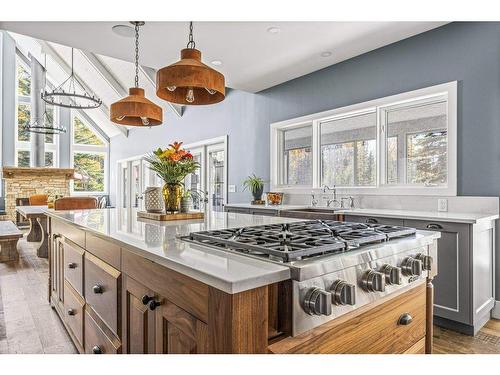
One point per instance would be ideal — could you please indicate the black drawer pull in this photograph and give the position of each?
(97, 289)
(96, 350)
(145, 299)
(153, 305)
(434, 226)
(371, 221)
(405, 319)
(71, 312)
(72, 265)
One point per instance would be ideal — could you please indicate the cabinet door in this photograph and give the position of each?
(138, 320)
(452, 291)
(57, 271)
(264, 212)
(373, 220)
(178, 332)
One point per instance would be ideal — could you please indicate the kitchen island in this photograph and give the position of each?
(127, 285)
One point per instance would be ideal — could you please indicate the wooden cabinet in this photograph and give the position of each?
(152, 324)
(73, 312)
(96, 339)
(376, 330)
(102, 286)
(73, 266)
(138, 320)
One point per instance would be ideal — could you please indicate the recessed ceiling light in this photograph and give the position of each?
(216, 62)
(326, 54)
(124, 30)
(274, 30)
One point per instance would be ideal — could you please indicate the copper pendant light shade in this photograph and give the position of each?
(189, 81)
(135, 109)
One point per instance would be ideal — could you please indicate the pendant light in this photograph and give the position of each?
(135, 109)
(71, 93)
(189, 81)
(45, 125)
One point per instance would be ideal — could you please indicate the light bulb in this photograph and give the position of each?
(210, 91)
(171, 88)
(145, 121)
(190, 96)
(120, 118)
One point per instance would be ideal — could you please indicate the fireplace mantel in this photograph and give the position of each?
(15, 172)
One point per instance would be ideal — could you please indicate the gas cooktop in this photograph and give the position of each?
(299, 240)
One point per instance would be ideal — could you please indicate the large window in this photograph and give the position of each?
(402, 144)
(24, 118)
(90, 158)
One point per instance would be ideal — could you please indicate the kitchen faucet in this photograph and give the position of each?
(350, 199)
(334, 200)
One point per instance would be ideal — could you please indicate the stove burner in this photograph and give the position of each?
(294, 241)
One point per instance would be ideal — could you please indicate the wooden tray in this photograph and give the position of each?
(170, 217)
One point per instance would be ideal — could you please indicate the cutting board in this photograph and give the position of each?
(170, 217)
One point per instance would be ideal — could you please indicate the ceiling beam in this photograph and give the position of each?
(47, 48)
(150, 73)
(105, 73)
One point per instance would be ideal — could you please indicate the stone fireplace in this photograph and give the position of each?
(24, 182)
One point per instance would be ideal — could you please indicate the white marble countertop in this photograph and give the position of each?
(456, 217)
(159, 242)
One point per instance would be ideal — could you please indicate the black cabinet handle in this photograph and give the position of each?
(71, 312)
(371, 221)
(97, 289)
(96, 350)
(145, 299)
(405, 319)
(434, 226)
(72, 265)
(153, 305)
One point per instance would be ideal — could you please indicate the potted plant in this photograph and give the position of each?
(255, 185)
(172, 165)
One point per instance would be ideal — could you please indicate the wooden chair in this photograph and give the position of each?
(38, 200)
(75, 203)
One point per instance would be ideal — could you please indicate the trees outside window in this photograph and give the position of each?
(90, 154)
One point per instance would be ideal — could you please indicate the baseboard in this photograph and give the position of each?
(495, 313)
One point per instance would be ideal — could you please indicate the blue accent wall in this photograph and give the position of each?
(466, 52)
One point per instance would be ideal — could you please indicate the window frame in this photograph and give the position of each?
(89, 149)
(381, 106)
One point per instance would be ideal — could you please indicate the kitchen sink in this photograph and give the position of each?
(310, 213)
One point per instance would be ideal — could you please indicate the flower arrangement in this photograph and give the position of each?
(172, 165)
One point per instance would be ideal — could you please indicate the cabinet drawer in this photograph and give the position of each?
(73, 267)
(69, 231)
(73, 312)
(96, 341)
(105, 250)
(102, 286)
(375, 330)
(373, 220)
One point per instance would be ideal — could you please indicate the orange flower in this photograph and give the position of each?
(176, 145)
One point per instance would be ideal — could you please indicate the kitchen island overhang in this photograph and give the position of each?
(234, 303)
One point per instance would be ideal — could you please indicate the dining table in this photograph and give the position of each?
(38, 227)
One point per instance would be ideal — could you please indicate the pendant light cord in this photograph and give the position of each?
(191, 44)
(136, 55)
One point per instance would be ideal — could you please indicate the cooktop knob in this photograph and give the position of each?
(411, 267)
(392, 274)
(426, 261)
(343, 293)
(318, 302)
(373, 281)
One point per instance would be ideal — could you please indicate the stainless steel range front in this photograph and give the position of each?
(336, 267)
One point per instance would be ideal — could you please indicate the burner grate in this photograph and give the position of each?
(299, 240)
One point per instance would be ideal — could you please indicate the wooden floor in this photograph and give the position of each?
(29, 325)
(27, 322)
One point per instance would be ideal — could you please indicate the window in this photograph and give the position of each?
(348, 151)
(403, 144)
(24, 118)
(89, 157)
(297, 156)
